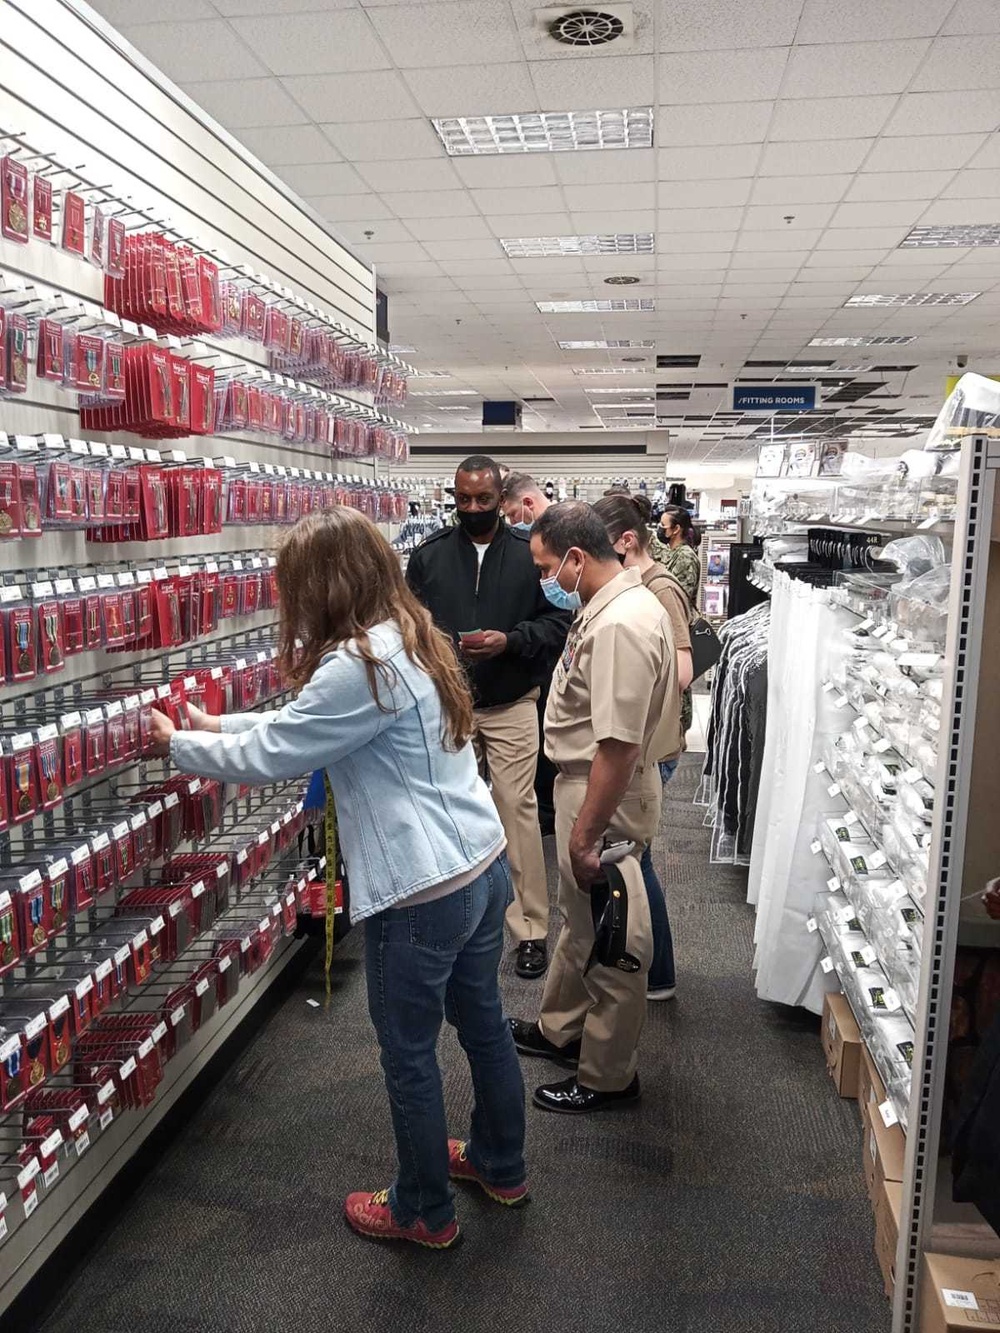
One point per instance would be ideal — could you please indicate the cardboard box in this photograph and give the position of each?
(882, 1153)
(842, 1044)
(957, 1294)
(871, 1089)
(888, 1211)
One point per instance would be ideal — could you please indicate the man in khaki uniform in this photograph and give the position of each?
(613, 707)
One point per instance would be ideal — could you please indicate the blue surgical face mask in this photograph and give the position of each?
(521, 525)
(557, 594)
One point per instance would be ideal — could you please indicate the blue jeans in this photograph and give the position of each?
(661, 971)
(426, 963)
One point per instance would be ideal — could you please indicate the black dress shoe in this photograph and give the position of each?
(569, 1098)
(529, 1041)
(532, 959)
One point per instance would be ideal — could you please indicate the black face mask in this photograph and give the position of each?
(478, 522)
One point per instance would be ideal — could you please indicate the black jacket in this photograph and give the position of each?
(503, 594)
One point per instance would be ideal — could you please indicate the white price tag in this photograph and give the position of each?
(29, 1203)
(176, 1015)
(833, 789)
(812, 925)
(52, 1174)
(201, 988)
(225, 963)
(881, 631)
(60, 1007)
(198, 889)
(850, 819)
(241, 856)
(841, 701)
(128, 1068)
(819, 767)
(882, 745)
(221, 870)
(49, 1145)
(159, 1032)
(107, 1115)
(27, 1174)
(174, 910)
(888, 1113)
(891, 1000)
(958, 1300)
(79, 1117)
(36, 1026)
(833, 884)
(141, 939)
(11, 1045)
(826, 963)
(912, 774)
(244, 944)
(828, 687)
(84, 988)
(81, 1143)
(815, 846)
(868, 955)
(877, 859)
(145, 1048)
(104, 1093)
(122, 955)
(103, 970)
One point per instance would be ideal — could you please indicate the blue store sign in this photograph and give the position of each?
(774, 397)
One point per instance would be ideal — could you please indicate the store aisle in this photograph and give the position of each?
(731, 1201)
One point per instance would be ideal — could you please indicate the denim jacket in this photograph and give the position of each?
(411, 814)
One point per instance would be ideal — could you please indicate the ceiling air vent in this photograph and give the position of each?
(586, 27)
(671, 362)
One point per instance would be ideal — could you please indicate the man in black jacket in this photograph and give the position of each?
(480, 584)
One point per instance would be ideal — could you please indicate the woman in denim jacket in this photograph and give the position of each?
(384, 709)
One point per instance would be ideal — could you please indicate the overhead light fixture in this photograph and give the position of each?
(597, 307)
(823, 368)
(431, 375)
(628, 360)
(546, 132)
(612, 243)
(451, 407)
(610, 389)
(622, 280)
(606, 344)
(444, 393)
(399, 349)
(610, 370)
(956, 237)
(911, 298)
(866, 340)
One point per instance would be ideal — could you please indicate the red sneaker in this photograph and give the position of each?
(460, 1168)
(370, 1215)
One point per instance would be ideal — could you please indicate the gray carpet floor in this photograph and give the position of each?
(730, 1201)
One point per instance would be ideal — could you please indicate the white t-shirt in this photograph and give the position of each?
(481, 549)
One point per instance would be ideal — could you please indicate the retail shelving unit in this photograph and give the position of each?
(98, 150)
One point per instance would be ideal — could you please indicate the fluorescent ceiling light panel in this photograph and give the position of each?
(596, 307)
(821, 369)
(605, 344)
(546, 247)
(614, 370)
(431, 375)
(444, 393)
(400, 349)
(912, 298)
(867, 340)
(958, 236)
(546, 132)
(603, 392)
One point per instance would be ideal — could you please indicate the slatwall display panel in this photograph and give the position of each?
(82, 1086)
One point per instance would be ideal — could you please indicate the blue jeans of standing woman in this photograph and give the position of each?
(426, 963)
(661, 973)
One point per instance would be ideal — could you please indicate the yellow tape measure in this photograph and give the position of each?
(330, 825)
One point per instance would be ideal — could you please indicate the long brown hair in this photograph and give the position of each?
(337, 577)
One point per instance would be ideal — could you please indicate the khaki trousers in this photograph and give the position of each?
(507, 739)
(604, 1010)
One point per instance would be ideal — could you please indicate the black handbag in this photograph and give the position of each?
(706, 646)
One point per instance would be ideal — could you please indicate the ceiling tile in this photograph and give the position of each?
(191, 51)
(831, 117)
(511, 169)
(974, 16)
(289, 145)
(961, 63)
(597, 223)
(246, 103)
(784, 190)
(784, 239)
(467, 90)
(319, 43)
(610, 166)
(924, 152)
(323, 178)
(445, 251)
(752, 74)
(349, 206)
(385, 140)
(611, 81)
(376, 252)
(729, 123)
(234, 7)
(945, 113)
(696, 219)
(852, 68)
(480, 267)
(704, 194)
(529, 224)
(975, 185)
(773, 217)
(691, 25)
(988, 154)
(862, 238)
(696, 242)
(847, 20)
(460, 33)
(710, 164)
(430, 203)
(624, 197)
(383, 229)
(874, 186)
(953, 211)
(347, 97)
(448, 229)
(407, 175)
(545, 199)
(815, 158)
(902, 213)
(121, 12)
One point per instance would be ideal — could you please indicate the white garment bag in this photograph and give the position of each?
(785, 875)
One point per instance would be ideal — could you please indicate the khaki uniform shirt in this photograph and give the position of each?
(616, 678)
